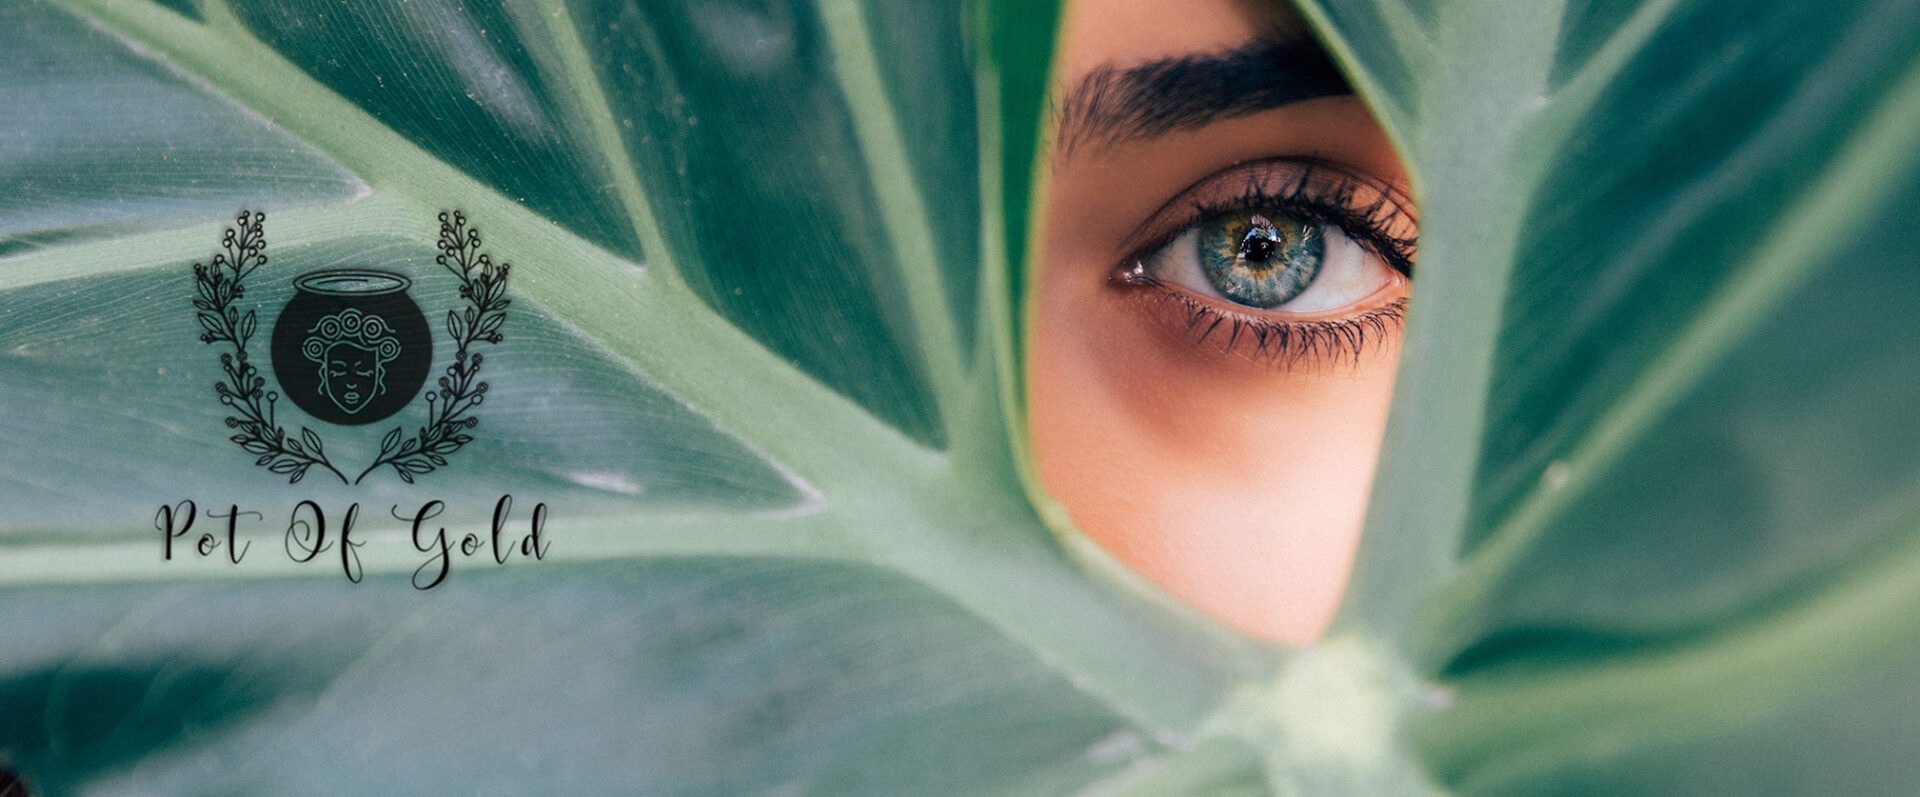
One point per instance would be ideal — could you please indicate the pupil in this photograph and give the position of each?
(1258, 245)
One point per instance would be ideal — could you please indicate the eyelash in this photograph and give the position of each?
(1287, 343)
(1338, 341)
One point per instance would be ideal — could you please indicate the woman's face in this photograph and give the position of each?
(350, 375)
(1226, 261)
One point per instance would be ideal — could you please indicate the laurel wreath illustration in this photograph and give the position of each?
(450, 409)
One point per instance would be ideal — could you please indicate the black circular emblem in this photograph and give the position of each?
(351, 347)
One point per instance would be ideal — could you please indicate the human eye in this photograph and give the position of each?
(1283, 261)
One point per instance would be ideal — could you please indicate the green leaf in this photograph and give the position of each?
(753, 372)
(1654, 448)
(1644, 526)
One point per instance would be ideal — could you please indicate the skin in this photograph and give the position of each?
(1237, 485)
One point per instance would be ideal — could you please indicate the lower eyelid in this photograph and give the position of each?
(1283, 343)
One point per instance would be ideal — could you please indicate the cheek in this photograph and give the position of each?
(1238, 487)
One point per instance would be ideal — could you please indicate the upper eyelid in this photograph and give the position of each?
(1181, 211)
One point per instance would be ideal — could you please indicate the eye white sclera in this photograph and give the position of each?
(1348, 274)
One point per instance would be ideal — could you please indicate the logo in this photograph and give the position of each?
(351, 348)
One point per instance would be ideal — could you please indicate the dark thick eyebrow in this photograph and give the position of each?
(1112, 105)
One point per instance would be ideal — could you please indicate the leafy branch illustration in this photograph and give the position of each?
(218, 286)
(483, 285)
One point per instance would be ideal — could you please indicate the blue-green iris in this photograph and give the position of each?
(1260, 258)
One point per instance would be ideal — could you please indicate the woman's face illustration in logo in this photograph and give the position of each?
(352, 350)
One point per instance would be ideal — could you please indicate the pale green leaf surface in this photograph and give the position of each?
(517, 681)
(100, 141)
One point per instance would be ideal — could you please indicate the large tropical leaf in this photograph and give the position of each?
(744, 370)
(1656, 447)
(1644, 525)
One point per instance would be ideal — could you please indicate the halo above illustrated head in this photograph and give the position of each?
(352, 327)
(352, 282)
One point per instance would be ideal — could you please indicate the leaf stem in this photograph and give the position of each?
(897, 193)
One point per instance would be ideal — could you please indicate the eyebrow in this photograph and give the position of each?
(1111, 105)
